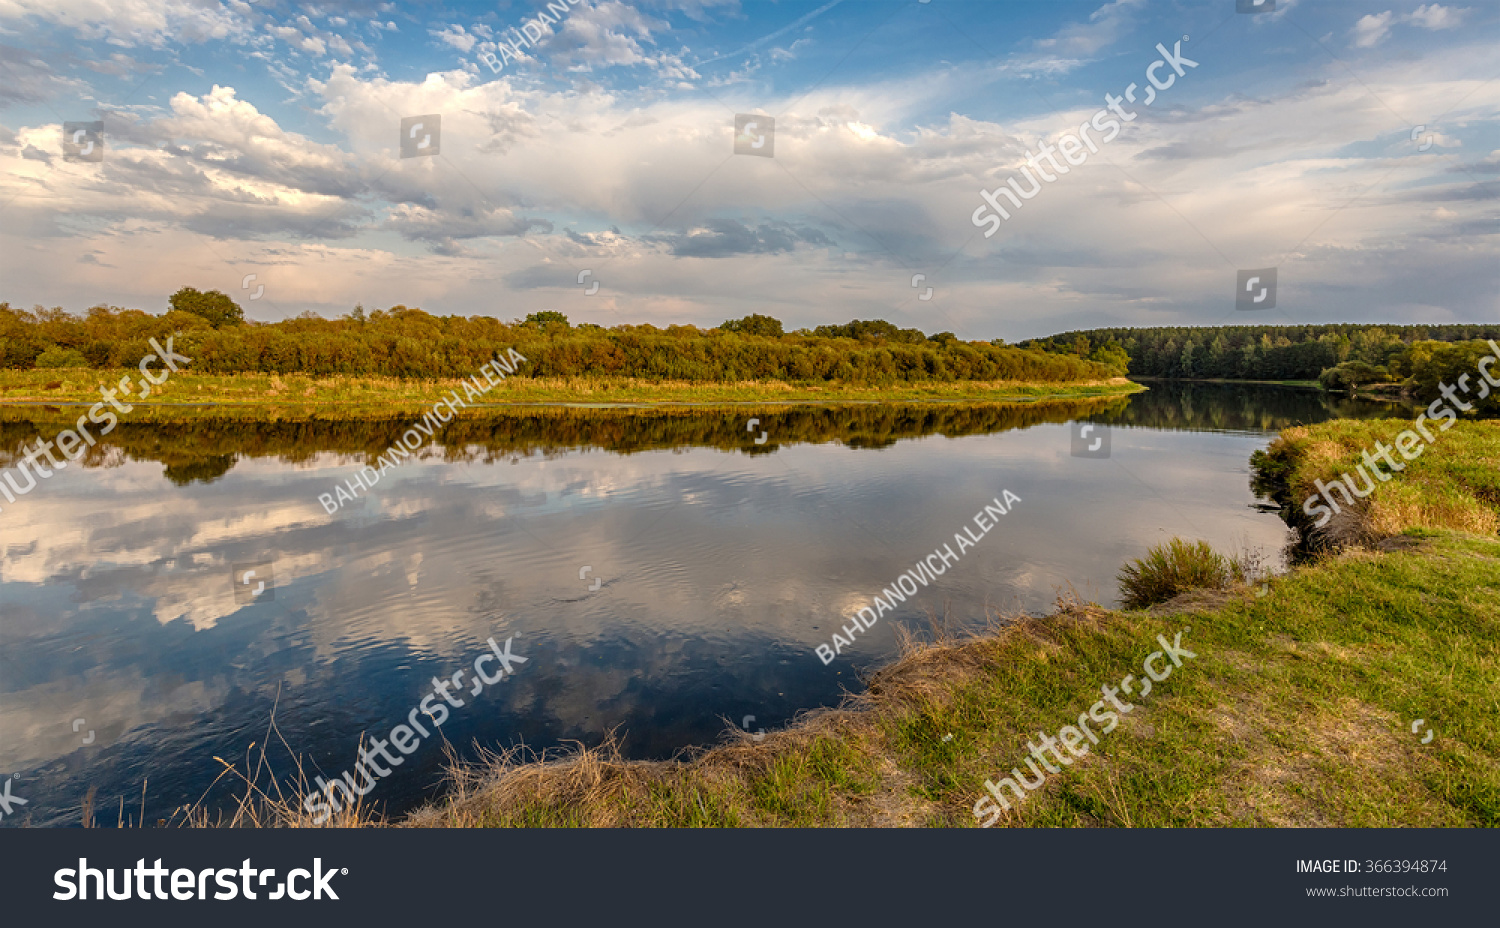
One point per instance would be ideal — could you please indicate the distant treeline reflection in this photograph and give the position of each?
(204, 449)
(201, 450)
(1239, 407)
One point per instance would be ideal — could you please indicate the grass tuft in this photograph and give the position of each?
(1174, 568)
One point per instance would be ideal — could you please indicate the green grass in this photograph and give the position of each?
(691, 805)
(1295, 712)
(1309, 384)
(290, 396)
(800, 787)
(1172, 568)
(1454, 483)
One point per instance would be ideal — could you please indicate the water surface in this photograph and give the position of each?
(720, 563)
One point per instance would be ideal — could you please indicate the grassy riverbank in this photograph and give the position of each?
(290, 396)
(1301, 384)
(1453, 484)
(1297, 710)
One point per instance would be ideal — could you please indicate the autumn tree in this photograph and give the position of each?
(212, 305)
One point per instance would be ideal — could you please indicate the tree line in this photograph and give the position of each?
(1257, 352)
(406, 342)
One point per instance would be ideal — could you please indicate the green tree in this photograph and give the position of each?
(1218, 352)
(1112, 356)
(754, 324)
(212, 305)
(548, 317)
(1189, 358)
(872, 329)
(1350, 375)
(56, 357)
(1433, 364)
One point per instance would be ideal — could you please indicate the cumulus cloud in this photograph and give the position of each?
(214, 165)
(455, 36)
(230, 135)
(607, 34)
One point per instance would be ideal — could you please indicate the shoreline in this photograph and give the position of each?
(268, 397)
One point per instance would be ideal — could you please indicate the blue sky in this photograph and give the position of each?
(1352, 146)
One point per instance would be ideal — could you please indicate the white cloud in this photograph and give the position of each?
(606, 34)
(1436, 16)
(133, 22)
(455, 36)
(1371, 28)
(790, 52)
(1104, 27)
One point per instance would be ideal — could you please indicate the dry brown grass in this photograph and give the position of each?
(272, 804)
(1395, 512)
(581, 786)
(1453, 485)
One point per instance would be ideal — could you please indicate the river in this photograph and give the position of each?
(661, 572)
